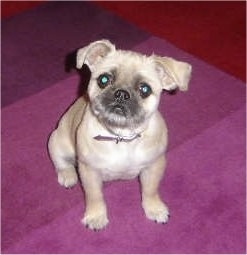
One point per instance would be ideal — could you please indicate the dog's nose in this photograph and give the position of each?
(122, 95)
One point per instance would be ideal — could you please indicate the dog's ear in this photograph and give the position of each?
(93, 53)
(174, 74)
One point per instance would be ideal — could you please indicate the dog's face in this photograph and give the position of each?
(125, 86)
(124, 90)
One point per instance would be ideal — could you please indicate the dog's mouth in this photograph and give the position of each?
(119, 109)
(116, 113)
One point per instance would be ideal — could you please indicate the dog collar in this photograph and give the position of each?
(117, 138)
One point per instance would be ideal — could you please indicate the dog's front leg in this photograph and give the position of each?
(95, 216)
(150, 178)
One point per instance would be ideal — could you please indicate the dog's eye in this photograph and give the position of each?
(145, 90)
(103, 80)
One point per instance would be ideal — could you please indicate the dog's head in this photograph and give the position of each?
(125, 87)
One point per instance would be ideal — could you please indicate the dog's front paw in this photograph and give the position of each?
(95, 220)
(67, 177)
(156, 211)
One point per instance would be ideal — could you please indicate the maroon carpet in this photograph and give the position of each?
(204, 185)
(214, 31)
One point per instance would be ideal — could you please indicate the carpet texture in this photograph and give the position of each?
(204, 184)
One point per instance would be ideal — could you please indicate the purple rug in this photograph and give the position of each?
(204, 184)
(34, 43)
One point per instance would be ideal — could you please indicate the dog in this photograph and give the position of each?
(115, 131)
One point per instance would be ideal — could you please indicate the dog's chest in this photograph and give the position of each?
(119, 161)
(122, 164)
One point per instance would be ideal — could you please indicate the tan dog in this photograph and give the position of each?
(116, 131)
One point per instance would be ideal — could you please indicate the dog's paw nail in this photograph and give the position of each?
(164, 223)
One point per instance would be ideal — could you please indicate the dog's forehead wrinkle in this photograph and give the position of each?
(124, 78)
(130, 77)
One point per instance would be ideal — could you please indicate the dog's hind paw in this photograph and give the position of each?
(67, 177)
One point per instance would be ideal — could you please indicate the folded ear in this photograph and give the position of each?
(93, 53)
(174, 74)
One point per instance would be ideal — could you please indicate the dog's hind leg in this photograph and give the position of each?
(62, 154)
